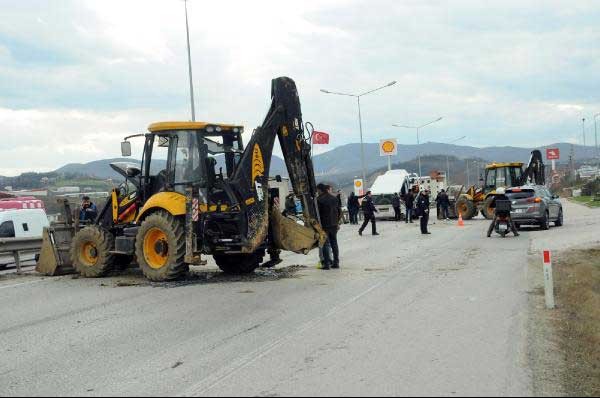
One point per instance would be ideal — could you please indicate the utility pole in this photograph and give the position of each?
(187, 29)
(583, 128)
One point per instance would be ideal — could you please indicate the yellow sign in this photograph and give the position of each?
(388, 148)
(358, 183)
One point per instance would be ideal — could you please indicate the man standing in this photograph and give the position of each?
(409, 201)
(88, 211)
(423, 205)
(444, 203)
(353, 208)
(329, 209)
(369, 211)
(396, 206)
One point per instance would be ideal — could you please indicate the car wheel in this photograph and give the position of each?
(545, 222)
(561, 219)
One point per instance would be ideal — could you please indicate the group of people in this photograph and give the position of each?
(417, 205)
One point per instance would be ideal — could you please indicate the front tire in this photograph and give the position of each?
(466, 207)
(561, 219)
(160, 247)
(488, 211)
(90, 252)
(238, 264)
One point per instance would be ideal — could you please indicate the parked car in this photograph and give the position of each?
(535, 205)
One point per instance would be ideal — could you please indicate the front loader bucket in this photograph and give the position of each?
(290, 236)
(54, 257)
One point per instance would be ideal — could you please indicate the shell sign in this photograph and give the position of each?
(359, 187)
(388, 147)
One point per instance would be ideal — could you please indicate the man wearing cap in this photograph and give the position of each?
(423, 205)
(369, 210)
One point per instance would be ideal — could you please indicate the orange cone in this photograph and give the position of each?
(461, 222)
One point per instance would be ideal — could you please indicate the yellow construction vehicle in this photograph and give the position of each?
(167, 219)
(499, 175)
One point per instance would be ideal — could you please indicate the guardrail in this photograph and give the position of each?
(15, 246)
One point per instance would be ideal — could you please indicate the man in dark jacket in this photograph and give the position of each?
(329, 210)
(88, 211)
(369, 211)
(396, 206)
(353, 208)
(443, 202)
(423, 205)
(409, 202)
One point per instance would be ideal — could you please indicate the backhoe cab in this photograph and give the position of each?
(199, 191)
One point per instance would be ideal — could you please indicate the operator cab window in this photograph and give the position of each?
(7, 230)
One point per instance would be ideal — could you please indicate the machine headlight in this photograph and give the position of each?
(218, 129)
(210, 129)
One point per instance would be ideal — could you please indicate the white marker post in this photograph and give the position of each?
(548, 280)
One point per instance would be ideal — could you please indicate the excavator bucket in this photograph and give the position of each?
(291, 236)
(54, 257)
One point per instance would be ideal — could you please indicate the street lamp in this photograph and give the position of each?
(362, 145)
(596, 136)
(448, 158)
(419, 138)
(187, 29)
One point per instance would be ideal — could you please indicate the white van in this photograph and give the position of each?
(384, 188)
(26, 223)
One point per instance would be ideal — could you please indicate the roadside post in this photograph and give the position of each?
(548, 280)
(388, 148)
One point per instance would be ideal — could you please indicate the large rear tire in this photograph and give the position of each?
(238, 264)
(466, 208)
(160, 247)
(90, 252)
(488, 211)
(545, 222)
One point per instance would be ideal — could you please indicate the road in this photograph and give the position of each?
(444, 314)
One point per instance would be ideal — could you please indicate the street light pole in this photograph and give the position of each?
(362, 144)
(596, 137)
(187, 28)
(418, 128)
(448, 158)
(583, 128)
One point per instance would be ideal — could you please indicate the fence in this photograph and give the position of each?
(15, 247)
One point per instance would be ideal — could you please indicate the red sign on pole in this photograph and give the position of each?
(553, 154)
(320, 138)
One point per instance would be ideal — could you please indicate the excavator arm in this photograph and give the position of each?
(535, 173)
(250, 180)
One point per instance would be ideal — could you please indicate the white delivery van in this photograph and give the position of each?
(26, 223)
(384, 188)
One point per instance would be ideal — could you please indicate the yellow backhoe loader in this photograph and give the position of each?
(167, 219)
(500, 175)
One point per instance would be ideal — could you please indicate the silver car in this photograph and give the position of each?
(535, 205)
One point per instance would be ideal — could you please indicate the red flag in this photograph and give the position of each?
(320, 138)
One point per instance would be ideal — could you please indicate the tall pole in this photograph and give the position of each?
(419, 151)
(362, 144)
(583, 128)
(596, 136)
(187, 28)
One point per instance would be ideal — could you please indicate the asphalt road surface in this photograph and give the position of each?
(444, 314)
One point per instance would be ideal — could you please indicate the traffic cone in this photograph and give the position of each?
(461, 222)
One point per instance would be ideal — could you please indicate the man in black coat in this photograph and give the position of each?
(423, 205)
(409, 202)
(443, 202)
(396, 206)
(369, 211)
(330, 212)
(353, 208)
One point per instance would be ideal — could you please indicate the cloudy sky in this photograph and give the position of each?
(78, 75)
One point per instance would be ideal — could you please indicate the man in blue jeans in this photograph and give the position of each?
(330, 211)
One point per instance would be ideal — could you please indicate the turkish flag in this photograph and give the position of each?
(320, 138)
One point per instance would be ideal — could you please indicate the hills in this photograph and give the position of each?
(343, 163)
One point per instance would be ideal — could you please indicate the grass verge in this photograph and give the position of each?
(577, 278)
(586, 200)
